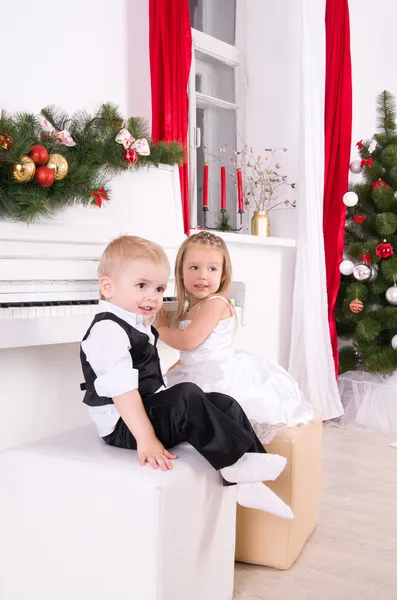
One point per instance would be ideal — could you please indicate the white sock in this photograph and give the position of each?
(252, 467)
(257, 495)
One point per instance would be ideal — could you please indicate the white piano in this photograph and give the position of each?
(48, 272)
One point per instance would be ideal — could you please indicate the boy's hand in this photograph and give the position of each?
(162, 318)
(151, 450)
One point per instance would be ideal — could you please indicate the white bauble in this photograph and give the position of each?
(355, 167)
(350, 199)
(394, 342)
(346, 267)
(391, 295)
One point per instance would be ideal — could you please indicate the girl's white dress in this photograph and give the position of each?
(269, 396)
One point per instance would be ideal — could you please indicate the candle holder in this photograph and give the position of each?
(223, 211)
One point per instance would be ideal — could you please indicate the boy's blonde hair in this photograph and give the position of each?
(204, 238)
(127, 248)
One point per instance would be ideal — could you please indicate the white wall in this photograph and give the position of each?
(373, 53)
(92, 51)
(273, 91)
(76, 55)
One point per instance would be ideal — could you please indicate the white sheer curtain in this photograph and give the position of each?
(311, 361)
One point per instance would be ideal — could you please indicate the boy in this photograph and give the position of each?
(125, 389)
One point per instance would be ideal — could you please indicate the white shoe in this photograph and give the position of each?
(257, 495)
(253, 467)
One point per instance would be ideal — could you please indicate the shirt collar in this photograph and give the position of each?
(131, 318)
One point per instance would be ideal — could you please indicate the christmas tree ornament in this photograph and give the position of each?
(359, 145)
(365, 272)
(359, 219)
(346, 267)
(394, 346)
(350, 199)
(131, 156)
(391, 295)
(355, 167)
(38, 154)
(23, 171)
(384, 250)
(356, 306)
(45, 177)
(366, 258)
(379, 183)
(99, 197)
(372, 146)
(366, 162)
(59, 165)
(132, 147)
(5, 141)
(49, 131)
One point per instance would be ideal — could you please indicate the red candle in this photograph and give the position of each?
(223, 188)
(205, 187)
(240, 190)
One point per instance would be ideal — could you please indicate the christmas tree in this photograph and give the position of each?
(366, 312)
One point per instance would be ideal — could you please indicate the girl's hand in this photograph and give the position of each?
(162, 318)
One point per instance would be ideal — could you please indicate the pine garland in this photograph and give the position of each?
(93, 162)
(370, 331)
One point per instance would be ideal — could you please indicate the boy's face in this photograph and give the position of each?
(137, 287)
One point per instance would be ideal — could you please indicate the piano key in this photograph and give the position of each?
(24, 313)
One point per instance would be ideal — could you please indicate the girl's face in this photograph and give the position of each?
(202, 270)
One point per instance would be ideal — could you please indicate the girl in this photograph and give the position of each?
(204, 328)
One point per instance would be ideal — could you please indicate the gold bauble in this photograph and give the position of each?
(59, 165)
(23, 171)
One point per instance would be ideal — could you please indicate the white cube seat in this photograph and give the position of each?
(80, 520)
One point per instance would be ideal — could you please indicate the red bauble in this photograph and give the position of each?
(356, 306)
(384, 250)
(38, 154)
(131, 156)
(45, 176)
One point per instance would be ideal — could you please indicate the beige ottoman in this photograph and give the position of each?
(263, 539)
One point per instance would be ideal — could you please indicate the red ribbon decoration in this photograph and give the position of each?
(359, 219)
(100, 196)
(366, 161)
(359, 145)
(379, 183)
(366, 258)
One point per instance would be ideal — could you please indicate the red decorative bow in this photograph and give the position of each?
(359, 219)
(366, 161)
(360, 145)
(366, 258)
(379, 183)
(100, 196)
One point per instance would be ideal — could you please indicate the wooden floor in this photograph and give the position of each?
(352, 555)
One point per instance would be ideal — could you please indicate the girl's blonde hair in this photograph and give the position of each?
(204, 238)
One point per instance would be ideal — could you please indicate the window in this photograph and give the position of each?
(215, 113)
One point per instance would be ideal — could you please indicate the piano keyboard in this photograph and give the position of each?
(24, 324)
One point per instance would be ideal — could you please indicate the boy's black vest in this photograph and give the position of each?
(144, 358)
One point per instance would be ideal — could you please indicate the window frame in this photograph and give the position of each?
(233, 56)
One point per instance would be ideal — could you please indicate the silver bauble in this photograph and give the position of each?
(365, 272)
(391, 295)
(355, 167)
(394, 342)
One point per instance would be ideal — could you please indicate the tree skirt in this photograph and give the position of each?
(369, 400)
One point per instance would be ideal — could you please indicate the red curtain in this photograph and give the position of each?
(338, 126)
(170, 41)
